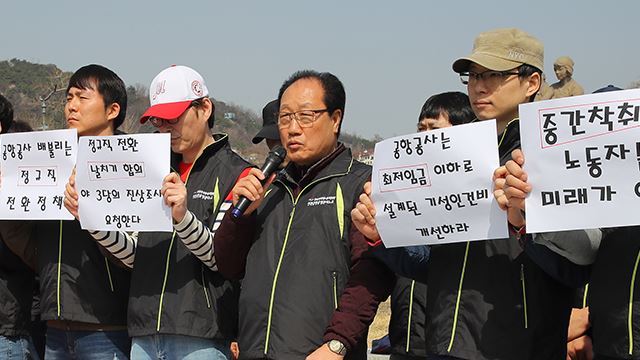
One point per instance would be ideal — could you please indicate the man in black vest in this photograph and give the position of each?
(179, 306)
(309, 288)
(83, 295)
(493, 299)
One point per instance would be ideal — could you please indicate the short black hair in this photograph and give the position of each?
(6, 114)
(454, 104)
(526, 70)
(106, 83)
(20, 126)
(212, 118)
(334, 96)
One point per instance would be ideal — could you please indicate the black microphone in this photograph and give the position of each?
(274, 159)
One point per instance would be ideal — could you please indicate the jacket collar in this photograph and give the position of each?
(338, 162)
(510, 137)
(219, 141)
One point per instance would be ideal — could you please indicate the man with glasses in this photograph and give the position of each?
(179, 306)
(492, 299)
(309, 289)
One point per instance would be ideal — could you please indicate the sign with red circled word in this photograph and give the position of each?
(436, 187)
(582, 157)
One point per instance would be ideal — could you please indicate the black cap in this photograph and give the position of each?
(269, 123)
(607, 89)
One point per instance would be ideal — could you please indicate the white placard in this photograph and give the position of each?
(582, 156)
(436, 187)
(119, 178)
(35, 169)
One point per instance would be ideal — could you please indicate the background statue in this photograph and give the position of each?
(565, 86)
(545, 92)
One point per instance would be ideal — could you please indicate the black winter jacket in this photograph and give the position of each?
(172, 291)
(614, 294)
(407, 326)
(77, 281)
(16, 293)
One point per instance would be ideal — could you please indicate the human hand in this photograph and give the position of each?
(363, 214)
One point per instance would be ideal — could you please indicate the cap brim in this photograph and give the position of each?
(166, 111)
(490, 62)
(267, 132)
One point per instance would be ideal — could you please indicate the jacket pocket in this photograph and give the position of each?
(334, 282)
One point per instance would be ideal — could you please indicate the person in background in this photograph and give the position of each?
(17, 277)
(407, 332)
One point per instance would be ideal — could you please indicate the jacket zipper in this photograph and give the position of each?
(166, 267)
(413, 284)
(631, 290)
(524, 297)
(284, 245)
(464, 264)
(204, 287)
(106, 263)
(59, 266)
(455, 314)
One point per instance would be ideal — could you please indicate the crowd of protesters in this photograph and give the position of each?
(300, 274)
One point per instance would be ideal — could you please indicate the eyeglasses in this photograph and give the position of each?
(305, 118)
(158, 122)
(490, 77)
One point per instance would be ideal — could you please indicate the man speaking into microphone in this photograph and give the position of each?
(309, 290)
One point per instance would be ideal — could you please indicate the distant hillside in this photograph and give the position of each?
(24, 83)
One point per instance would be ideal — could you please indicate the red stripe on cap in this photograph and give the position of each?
(166, 111)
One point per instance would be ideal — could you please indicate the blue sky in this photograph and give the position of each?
(390, 56)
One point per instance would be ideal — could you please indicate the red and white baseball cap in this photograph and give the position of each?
(172, 91)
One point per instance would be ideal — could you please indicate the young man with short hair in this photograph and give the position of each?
(83, 295)
(491, 299)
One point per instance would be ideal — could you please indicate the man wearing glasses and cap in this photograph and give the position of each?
(179, 306)
(492, 299)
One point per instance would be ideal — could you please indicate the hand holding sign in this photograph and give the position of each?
(71, 195)
(511, 188)
(363, 214)
(175, 196)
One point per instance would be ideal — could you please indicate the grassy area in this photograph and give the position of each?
(380, 326)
